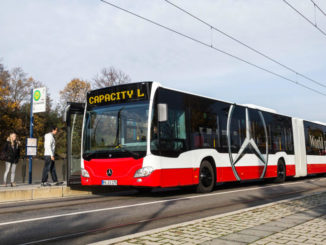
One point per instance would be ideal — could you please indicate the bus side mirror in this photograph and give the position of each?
(65, 114)
(162, 110)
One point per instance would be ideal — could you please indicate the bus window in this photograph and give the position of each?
(172, 133)
(107, 128)
(237, 128)
(258, 130)
(203, 126)
(223, 113)
(315, 141)
(169, 138)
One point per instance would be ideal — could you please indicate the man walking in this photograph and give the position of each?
(49, 148)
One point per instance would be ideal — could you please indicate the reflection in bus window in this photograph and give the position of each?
(109, 127)
(315, 138)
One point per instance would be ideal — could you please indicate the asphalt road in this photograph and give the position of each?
(96, 218)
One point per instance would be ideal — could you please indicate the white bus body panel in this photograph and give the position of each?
(193, 159)
(299, 148)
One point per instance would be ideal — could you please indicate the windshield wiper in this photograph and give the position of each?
(133, 154)
(88, 156)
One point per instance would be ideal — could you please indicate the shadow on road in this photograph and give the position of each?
(106, 226)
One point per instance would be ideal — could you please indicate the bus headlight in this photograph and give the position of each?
(84, 173)
(143, 172)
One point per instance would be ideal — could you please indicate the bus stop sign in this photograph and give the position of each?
(39, 100)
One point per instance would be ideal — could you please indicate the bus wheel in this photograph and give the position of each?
(206, 177)
(281, 172)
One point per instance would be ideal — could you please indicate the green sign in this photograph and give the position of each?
(39, 100)
(37, 95)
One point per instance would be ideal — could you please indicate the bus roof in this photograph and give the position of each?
(261, 108)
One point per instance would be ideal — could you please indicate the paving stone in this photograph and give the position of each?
(300, 221)
(125, 243)
(219, 241)
(290, 222)
(189, 241)
(268, 227)
(255, 232)
(300, 216)
(278, 223)
(313, 213)
(148, 243)
(238, 237)
(176, 242)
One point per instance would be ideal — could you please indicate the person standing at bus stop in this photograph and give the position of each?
(49, 159)
(11, 151)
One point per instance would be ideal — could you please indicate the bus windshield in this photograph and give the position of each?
(116, 131)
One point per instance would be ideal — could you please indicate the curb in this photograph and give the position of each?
(144, 233)
(39, 193)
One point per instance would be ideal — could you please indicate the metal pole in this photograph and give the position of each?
(31, 124)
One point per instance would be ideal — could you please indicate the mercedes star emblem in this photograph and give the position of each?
(109, 172)
(249, 141)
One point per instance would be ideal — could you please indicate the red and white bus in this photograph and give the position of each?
(146, 135)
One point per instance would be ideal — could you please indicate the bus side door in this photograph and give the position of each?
(74, 114)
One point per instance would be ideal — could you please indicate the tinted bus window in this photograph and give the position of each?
(279, 129)
(257, 127)
(203, 123)
(315, 138)
(169, 138)
(222, 110)
(208, 119)
(237, 128)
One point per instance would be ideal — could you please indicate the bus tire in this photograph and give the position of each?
(281, 172)
(206, 178)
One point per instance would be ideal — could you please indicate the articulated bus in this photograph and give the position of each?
(146, 135)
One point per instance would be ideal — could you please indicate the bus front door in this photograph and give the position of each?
(74, 119)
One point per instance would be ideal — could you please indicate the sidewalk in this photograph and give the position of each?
(25, 192)
(295, 221)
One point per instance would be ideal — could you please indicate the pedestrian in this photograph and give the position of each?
(11, 151)
(49, 159)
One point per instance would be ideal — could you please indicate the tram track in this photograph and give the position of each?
(55, 203)
(108, 228)
(197, 213)
(6, 208)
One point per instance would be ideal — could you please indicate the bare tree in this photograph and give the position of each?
(110, 77)
(19, 85)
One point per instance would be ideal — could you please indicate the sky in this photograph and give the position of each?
(56, 41)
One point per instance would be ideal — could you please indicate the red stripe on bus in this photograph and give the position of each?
(225, 174)
(316, 168)
(124, 169)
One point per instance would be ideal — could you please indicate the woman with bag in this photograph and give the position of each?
(11, 156)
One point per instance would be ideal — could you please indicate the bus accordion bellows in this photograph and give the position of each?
(145, 135)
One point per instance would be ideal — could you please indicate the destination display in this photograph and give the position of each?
(119, 94)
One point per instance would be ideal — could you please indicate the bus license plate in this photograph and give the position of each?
(109, 182)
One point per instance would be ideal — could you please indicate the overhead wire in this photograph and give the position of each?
(244, 44)
(212, 47)
(302, 15)
(316, 5)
